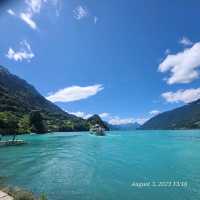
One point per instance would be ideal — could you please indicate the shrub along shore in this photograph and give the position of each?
(20, 194)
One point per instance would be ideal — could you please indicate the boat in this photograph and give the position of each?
(12, 143)
(97, 130)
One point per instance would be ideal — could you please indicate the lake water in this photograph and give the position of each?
(79, 166)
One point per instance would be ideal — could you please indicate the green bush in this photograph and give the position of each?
(24, 124)
(8, 122)
(37, 122)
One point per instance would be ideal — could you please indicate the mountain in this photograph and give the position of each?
(21, 106)
(125, 127)
(17, 95)
(185, 117)
(95, 119)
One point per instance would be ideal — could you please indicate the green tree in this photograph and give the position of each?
(8, 123)
(37, 122)
(24, 124)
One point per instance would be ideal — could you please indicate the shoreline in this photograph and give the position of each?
(12, 193)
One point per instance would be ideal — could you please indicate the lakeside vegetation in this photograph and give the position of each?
(21, 194)
(35, 122)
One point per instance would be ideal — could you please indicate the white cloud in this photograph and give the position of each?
(184, 96)
(32, 8)
(114, 120)
(86, 115)
(34, 5)
(154, 112)
(27, 18)
(121, 121)
(24, 53)
(185, 41)
(104, 115)
(75, 93)
(96, 19)
(81, 114)
(183, 65)
(11, 12)
(80, 12)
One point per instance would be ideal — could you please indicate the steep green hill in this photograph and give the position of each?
(185, 117)
(20, 102)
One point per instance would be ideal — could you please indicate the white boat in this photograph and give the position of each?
(97, 130)
(12, 143)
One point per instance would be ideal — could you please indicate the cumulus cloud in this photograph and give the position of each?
(122, 121)
(183, 66)
(86, 115)
(75, 93)
(114, 120)
(185, 41)
(81, 114)
(24, 53)
(80, 12)
(154, 112)
(184, 96)
(104, 115)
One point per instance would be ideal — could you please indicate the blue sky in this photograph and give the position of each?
(126, 59)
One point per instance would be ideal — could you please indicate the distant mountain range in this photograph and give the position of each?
(185, 117)
(125, 127)
(19, 100)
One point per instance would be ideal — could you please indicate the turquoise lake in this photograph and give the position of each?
(79, 166)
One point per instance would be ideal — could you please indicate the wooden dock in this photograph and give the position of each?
(4, 196)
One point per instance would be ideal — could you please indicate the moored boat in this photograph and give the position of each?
(97, 130)
(12, 143)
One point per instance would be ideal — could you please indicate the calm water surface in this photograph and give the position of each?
(78, 166)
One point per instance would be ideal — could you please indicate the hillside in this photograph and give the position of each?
(185, 117)
(19, 101)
